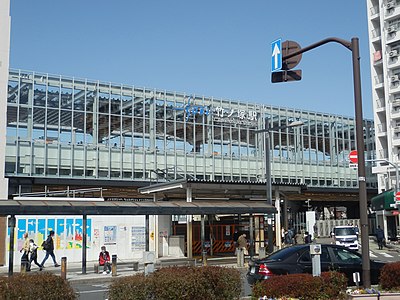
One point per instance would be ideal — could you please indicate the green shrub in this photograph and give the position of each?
(330, 285)
(179, 283)
(390, 276)
(40, 286)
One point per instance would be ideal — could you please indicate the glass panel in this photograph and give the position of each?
(65, 127)
(39, 98)
(25, 90)
(79, 99)
(53, 95)
(127, 105)
(90, 99)
(104, 101)
(12, 91)
(66, 98)
(115, 104)
(38, 124)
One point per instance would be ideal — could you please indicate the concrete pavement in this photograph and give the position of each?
(74, 270)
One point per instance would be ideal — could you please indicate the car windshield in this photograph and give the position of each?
(345, 231)
(282, 254)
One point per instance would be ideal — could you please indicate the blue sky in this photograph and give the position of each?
(219, 48)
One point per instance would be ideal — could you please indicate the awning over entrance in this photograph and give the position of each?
(197, 189)
(65, 207)
(383, 201)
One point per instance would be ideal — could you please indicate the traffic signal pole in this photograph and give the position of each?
(353, 46)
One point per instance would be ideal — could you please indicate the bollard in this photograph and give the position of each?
(204, 258)
(24, 264)
(114, 265)
(23, 267)
(64, 268)
(240, 257)
(135, 266)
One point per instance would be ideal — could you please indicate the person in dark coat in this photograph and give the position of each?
(48, 245)
(380, 237)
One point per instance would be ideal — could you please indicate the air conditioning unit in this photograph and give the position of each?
(394, 78)
(391, 29)
(393, 53)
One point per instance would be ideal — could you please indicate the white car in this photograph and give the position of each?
(346, 236)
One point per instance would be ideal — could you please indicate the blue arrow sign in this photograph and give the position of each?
(276, 55)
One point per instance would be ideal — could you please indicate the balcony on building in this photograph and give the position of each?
(396, 102)
(395, 113)
(394, 83)
(378, 79)
(393, 58)
(393, 34)
(396, 139)
(380, 105)
(374, 12)
(392, 10)
(381, 130)
(375, 34)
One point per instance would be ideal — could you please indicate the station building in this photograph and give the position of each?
(72, 135)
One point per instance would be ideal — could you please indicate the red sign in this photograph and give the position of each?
(397, 196)
(353, 156)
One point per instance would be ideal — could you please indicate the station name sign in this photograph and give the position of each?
(219, 114)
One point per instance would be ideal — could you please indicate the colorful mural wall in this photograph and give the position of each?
(68, 231)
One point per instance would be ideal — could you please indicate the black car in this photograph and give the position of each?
(297, 259)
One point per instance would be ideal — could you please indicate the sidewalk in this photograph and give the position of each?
(74, 270)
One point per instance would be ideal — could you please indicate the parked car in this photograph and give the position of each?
(346, 236)
(297, 259)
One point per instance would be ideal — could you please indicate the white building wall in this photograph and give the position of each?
(122, 235)
(5, 21)
(384, 40)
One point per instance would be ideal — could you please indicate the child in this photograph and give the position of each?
(33, 250)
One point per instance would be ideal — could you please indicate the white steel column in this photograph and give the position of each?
(278, 220)
(189, 226)
(5, 23)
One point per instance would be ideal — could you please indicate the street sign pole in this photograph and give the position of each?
(353, 46)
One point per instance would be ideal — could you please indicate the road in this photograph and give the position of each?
(91, 291)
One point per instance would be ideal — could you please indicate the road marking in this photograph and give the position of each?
(93, 291)
(371, 254)
(387, 255)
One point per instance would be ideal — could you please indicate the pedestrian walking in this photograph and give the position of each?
(242, 243)
(48, 246)
(25, 253)
(33, 256)
(380, 237)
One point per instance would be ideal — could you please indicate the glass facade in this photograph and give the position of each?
(67, 127)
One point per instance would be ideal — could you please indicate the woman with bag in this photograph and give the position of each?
(33, 258)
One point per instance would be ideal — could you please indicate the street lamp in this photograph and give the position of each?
(268, 182)
(396, 167)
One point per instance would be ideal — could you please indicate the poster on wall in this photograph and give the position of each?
(110, 235)
(138, 238)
